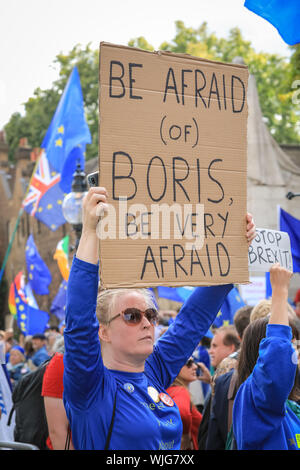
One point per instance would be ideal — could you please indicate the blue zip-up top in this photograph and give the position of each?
(90, 388)
(261, 418)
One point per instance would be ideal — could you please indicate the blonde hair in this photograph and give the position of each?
(263, 308)
(106, 300)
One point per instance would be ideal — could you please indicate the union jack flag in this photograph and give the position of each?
(44, 198)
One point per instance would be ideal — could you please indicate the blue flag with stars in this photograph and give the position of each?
(230, 305)
(38, 273)
(58, 306)
(169, 293)
(68, 130)
(30, 320)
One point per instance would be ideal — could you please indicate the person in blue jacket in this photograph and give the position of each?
(266, 415)
(40, 354)
(110, 358)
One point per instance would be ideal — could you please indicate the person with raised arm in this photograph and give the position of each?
(266, 415)
(114, 376)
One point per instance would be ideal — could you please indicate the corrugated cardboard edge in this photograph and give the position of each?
(167, 54)
(172, 54)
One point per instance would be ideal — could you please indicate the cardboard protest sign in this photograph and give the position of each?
(173, 157)
(269, 247)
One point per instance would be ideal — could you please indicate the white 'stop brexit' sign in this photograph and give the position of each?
(269, 247)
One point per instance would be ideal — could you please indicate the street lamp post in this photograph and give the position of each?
(72, 203)
(291, 195)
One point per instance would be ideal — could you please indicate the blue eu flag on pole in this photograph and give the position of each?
(177, 294)
(30, 320)
(230, 305)
(39, 276)
(284, 15)
(291, 225)
(185, 292)
(58, 306)
(68, 130)
(169, 293)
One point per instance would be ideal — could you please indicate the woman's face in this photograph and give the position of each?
(188, 374)
(15, 357)
(130, 342)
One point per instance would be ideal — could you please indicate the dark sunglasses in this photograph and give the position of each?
(133, 316)
(190, 362)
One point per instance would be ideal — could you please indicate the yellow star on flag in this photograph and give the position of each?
(58, 142)
(61, 129)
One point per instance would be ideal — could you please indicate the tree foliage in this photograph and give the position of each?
(40, 108)
(274, 77)
(274, 74)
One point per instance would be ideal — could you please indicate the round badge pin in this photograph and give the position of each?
(153, 394)
(166, 399)
(129, 388)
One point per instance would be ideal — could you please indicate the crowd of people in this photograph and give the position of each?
(24, 354)
(124, 374)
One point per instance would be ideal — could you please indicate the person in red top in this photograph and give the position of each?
(297, 297)
(52, 391)
(190, 416)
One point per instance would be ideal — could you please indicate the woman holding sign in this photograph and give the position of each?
(114, 389)
(265, 413)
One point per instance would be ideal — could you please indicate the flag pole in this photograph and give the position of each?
(17, 221)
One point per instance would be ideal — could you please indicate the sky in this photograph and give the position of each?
(33, 32)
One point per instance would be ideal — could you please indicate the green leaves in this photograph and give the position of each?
(274, 78)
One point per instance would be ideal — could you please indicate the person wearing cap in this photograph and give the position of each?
(40, 351)
(16, 366)
(111, 366)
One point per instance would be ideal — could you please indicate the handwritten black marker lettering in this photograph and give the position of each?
(197, 262)
(183, 84)
(214, 90)
(220, 245)
(177, 180)
(216, 201)
(132, 81)
(198, 89)
(117, 78)
(234, 109)
(118, 156)
(171, 86)
(179, 258)
(156, 199)
(151, 260)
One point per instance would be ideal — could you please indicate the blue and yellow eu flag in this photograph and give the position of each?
(58, 306)
(68, 133)
(169, 293)
(284, 15)
(30, 320)
(228, 309)
(38, 273)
